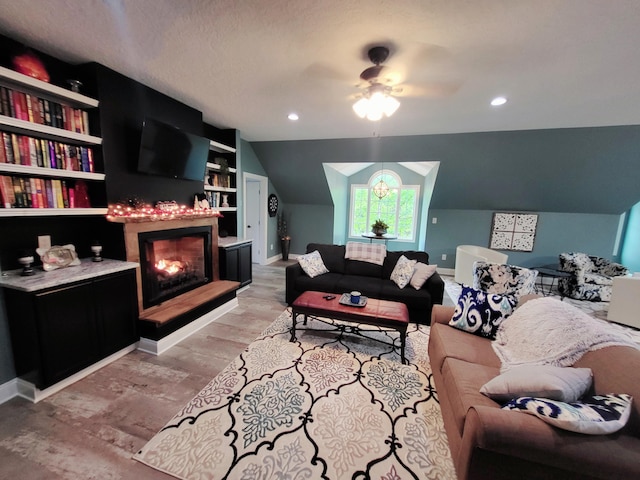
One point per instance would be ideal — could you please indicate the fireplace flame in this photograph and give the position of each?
(170, 267)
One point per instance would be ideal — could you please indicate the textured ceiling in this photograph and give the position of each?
(247, 64)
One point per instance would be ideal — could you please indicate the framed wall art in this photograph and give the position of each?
(513, 231)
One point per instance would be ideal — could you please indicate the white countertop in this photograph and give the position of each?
(42, 280)
(225, 242)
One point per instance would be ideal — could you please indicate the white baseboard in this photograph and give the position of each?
(8, 390)
(277, 258)
(30, 392)
(157, 347)
(447, 271)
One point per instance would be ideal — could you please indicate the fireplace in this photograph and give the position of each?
(173, 262)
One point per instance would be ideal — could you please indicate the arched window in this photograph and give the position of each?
(398, 208)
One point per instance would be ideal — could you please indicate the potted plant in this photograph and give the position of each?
(379, 227)
(285, 239)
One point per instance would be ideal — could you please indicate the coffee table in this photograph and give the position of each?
(381, 313)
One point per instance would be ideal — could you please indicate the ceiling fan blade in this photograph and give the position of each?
(430, 90)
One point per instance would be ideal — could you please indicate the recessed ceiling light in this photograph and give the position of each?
(293, 116)
(498, 101)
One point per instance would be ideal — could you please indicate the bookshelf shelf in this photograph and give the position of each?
(24, 127)
(12, 78)
(220, 189)
(63, 137)
(49, 212)
(220, 147)
(215, 166)
(49, 172)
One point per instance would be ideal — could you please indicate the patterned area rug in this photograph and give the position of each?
(330, 405)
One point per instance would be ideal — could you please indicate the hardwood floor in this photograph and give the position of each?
(91, 429)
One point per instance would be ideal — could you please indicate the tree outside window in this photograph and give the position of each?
(398, 208)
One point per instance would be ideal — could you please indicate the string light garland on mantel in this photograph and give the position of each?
(124, 213)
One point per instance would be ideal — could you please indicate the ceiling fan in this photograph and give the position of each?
(377, 98)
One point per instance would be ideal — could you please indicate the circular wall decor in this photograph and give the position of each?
(272, 205)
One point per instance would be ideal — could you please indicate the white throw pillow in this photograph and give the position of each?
(566, 384)
(595, 415)
(312, 264)
(403, 271)
(421, 273)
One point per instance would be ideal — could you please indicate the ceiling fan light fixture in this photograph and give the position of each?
(361, 107)
(375, 103)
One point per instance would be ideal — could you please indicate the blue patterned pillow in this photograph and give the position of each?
(312, 264)
(481, 313)
(594, 415)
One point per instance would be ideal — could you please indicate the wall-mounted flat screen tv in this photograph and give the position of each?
(171, 152)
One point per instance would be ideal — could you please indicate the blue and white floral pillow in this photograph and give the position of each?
(594, 415)
(481, 313)
(312, 264)
(403, 271)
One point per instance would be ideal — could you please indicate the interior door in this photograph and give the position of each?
(252, 218)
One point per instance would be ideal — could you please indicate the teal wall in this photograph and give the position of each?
(630, 256)
(339, 186)
(408, 177)
(579, 180)
(251, 164)
(556, 233)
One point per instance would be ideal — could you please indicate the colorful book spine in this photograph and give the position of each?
(7, 191)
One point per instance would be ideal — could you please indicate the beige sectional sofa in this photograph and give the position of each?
(487, 442)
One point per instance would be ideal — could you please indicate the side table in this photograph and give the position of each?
(549, 271)
(372, 237)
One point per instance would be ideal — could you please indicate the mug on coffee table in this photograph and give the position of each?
(355, 297)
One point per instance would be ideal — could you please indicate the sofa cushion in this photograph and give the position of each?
(368, 286)
(332, 256)
(312, 264)
(413, 299)
(366, 269)
(481, 313)
(594, 415)
(616, 369)
(324, 283)
(462, 381)
(448, 342)
(392, 258)
(421, 273)
(566, 384)
(403, 271)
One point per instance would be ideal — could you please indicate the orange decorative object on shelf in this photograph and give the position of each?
(29, 64)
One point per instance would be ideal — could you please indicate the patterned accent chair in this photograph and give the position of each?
(504, 279)
(592, 277)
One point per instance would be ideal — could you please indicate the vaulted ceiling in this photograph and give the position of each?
(247, 64)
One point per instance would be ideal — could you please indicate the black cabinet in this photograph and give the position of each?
(235, 263)
(58, 332)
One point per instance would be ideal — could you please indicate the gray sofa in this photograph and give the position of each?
(370, 279)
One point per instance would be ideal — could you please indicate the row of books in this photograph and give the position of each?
(28, 107)
(215, 199)
(22, 192)
(38, 152)
(219, 180)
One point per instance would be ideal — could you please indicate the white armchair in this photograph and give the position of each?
(467, 255)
